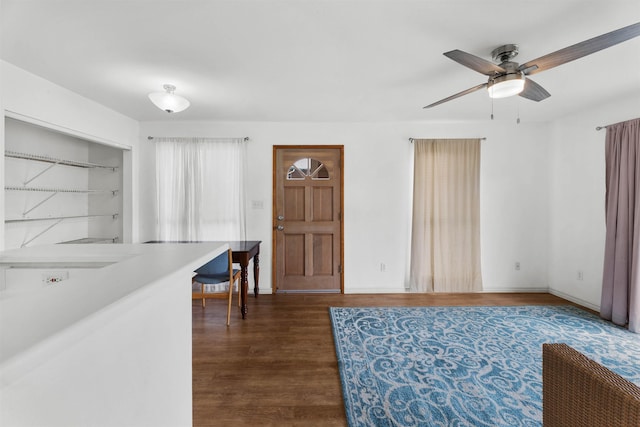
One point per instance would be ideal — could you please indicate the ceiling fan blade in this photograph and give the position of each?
(475, 63)
(534, 91)
(458, 95)
(581, 49)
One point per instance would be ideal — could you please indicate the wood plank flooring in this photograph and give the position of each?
(278, 366)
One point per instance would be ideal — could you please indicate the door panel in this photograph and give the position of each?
(322, 204)
(307, 219)
(294, 205)
(322, 254)
(294, 254)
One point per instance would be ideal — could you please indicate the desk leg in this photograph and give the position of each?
(256, 274)
(244, 284)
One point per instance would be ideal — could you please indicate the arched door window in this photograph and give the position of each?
(307, 167)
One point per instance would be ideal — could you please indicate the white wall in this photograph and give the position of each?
(1, 146)
(542, 185)
(105, 203)
(32, 99)
(378, 181)
(577, 200)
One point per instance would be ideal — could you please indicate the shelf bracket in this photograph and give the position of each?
(42, 171)
(43, 201)
(41, 233)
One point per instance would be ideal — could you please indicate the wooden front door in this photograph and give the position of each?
(307, 219)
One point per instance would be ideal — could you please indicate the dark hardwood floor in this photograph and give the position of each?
(278, 367)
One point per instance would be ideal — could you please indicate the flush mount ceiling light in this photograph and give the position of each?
(169, 101)
(505, 86)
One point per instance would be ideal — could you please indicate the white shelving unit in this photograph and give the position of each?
(47, 201)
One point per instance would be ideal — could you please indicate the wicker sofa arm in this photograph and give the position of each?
(577, 391)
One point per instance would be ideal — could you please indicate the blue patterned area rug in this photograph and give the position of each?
(463, 366)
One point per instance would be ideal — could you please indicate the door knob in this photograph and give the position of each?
(280, 228)
(280, 218)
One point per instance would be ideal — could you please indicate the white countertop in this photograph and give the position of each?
(99, 275)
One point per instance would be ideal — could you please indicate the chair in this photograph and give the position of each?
(217, 279)
(577, 391)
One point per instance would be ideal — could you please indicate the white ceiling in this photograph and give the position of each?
(316, 60)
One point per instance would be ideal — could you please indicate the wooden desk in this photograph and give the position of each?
(242, 252)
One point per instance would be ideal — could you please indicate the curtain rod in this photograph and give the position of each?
(413, 139)
(246, 138)
(612, 124)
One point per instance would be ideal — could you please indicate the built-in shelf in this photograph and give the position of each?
(93, 240)
(55, 218)
(47, 159)
(53, 192)
(61, 190)
(56, 201)
(54, 162)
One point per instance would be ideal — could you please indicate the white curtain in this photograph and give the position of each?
(200, 184)
(445, 234)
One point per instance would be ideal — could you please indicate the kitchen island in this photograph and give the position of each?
(98, 334)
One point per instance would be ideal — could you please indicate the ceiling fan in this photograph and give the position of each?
(509, 78)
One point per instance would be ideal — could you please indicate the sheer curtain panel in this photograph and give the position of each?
(200, 184)
(620, 301)
(445, 234)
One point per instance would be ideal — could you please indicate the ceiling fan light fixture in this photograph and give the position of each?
(506, 85)
(169, 101)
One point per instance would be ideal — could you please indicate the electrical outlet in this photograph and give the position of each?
(580, 275)
(383, 267)
(53, 277)
(517, 265)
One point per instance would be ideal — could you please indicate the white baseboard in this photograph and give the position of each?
(575, 300)
(389, 290)
(492, 290)
(375, 291)
(406, 290)
(515, 290)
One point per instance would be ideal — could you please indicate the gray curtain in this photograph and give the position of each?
(620, 301)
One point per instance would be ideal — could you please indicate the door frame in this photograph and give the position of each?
(274, 208)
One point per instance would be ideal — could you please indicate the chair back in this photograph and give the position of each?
(218, 265)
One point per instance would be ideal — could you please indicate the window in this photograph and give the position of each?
(307, 167)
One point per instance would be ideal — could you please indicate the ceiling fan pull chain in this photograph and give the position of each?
(491, 108)
(518, 108)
